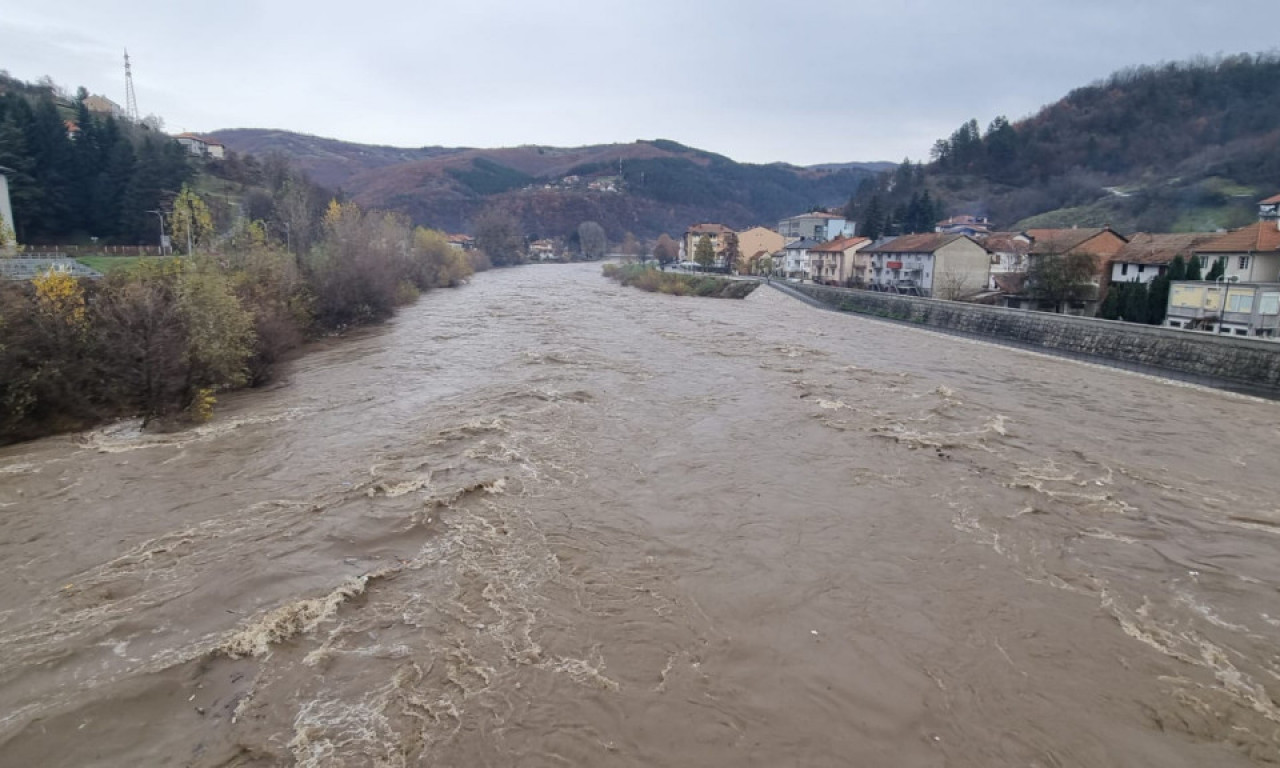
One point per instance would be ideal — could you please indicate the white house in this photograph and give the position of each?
(816, 225)
(200, 146)
(930, 264)
(1145, 257)
(795, 258)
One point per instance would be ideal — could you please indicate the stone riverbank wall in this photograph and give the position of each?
(1251, 365)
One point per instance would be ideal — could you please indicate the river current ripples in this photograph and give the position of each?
(545, 520)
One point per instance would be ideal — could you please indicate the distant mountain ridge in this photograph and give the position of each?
(645, 187)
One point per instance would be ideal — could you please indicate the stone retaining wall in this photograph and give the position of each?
(1250, 364)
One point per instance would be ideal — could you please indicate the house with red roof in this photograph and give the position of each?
(714, 232)
(933, 264)
(201, 146)
(839, 261)
(1145, 257)
(1252, 253)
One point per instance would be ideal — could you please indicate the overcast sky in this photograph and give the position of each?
(811, 82)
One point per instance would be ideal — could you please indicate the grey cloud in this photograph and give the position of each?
(758, 81)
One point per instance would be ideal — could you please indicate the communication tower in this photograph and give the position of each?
(130, 99)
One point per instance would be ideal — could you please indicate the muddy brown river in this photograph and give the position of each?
(544, 520)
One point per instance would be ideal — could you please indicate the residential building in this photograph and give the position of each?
(1252, 253)
(840, 262)
(199, 146)
(1101, 244)
(103, 106)
(972, 226)
(795, 259)
(1145, 257)
(542, 250)
(815, 225)
(1008, 257)
(462, 242)
(715, 232)
(758, 243)
(930, 264)
(1251, 309)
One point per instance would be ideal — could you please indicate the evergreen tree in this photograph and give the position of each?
(873, 219)
(1110, 307)
(704, 253)
(1219, 269)
(1135, 303)
(1177, 269)
(1158, 300)
(929, 213)
(1193, 268)
(25, 194)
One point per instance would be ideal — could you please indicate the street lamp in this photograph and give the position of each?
(160, 214)
(1226, 291)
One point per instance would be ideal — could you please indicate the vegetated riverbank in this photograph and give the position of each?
(647, 278)
(162, 339)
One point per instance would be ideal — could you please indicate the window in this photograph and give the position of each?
(1240, 302)
(1142, 268)
(1270, 304)
(1124, 269)
(1242, 332)
(1244, 262)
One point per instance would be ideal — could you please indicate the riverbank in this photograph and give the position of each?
(164, 339)
(1250, 366)
(651, 279)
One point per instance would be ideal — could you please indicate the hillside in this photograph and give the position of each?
(645, 187)
(1176, 147)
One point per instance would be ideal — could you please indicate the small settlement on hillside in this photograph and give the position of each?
(1069, 271)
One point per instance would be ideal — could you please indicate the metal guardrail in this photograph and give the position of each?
(27, 268)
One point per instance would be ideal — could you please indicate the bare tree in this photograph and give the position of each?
(952, 286)
(499, 235)
(592, 240)
(666, 251)
(1059, 279)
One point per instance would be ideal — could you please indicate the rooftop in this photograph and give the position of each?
(708, 229)
(1144, 248)
(1057, 241)
(926, 242)
(1258, 237)
(814, 215)
(838, 245)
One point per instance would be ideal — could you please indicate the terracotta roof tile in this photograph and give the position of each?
(927, 242)
(1259, 237)
(1006, 242)
(839, 245)
(1271, 200)
(1144, 248)
(708, 229)
(1057, 241)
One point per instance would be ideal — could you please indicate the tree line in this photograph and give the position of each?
(896, 202)
(76, 174)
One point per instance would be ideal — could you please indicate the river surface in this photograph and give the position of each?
(545, 520)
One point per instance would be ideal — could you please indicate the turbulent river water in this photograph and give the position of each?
(544, 520)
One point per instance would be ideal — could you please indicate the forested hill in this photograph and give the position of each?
(646, 187)
(1172, 147)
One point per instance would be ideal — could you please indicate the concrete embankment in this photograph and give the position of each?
(1250, 365)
